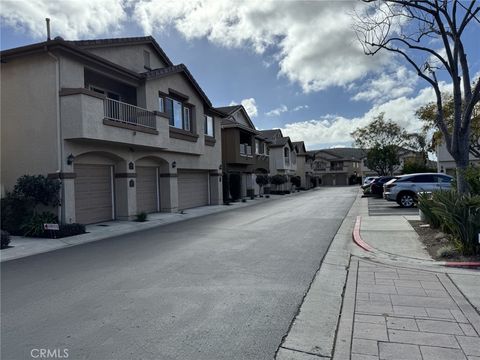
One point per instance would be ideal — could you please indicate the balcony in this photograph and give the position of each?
(128, 114)
(86, 115)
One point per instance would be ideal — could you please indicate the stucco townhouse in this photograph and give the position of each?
(245, 153)
(304, 165)
(283, 156)
(124, 129)
(446, 163)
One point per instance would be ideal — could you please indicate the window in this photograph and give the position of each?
(146, 59)
(186, 118)
(161, 104)
(443, 179)
(257, 147)
(180, 115)
(267, 150)
(422, 179)
(209, 126)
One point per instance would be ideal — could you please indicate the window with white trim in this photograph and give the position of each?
(209, 130)
(180, 116)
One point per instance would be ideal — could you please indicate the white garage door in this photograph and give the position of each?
(192, 189)
(147, 197)
(93, 193)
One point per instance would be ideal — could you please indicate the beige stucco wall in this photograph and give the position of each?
(28, 118)
(129, 56)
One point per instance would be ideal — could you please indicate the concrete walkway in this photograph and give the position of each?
(395, 301)
(25, 246)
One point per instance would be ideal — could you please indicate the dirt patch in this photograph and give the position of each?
(434, 240)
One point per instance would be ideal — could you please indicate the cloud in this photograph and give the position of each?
(250, 106)
(313, 42)
(277, 111)
(300, 107)
(387, 86)
(334, 129)
(70, 19)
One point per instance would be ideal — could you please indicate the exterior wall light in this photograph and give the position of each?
(70, 159)
(174, 165)
(220, 167)
(131, 165)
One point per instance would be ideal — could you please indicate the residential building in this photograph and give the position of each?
(304, 164)
(283, 156)
(338, 166)
(445, 162)
(244, 153)
(124, 129)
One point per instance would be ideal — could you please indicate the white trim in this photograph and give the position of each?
(158, 190)
(208, 189)
(112, 191)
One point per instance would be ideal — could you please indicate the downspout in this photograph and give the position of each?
(59, 136)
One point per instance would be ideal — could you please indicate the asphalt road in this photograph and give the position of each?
(223, 286)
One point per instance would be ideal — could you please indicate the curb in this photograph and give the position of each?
(357, 239)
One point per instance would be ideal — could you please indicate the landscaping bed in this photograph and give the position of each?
(438, 244)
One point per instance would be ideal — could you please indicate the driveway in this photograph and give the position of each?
(381, 207)
(224, 286)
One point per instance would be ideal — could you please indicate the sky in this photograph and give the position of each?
(294, 65)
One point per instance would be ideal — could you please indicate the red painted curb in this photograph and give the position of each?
(467, 264)
(357, 238)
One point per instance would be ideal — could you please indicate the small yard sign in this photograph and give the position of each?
(50, 227)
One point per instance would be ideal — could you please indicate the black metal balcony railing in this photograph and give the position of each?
(128, 114)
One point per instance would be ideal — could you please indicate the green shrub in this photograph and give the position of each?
(38, 189)
(296, 180)
(278, 179)
(262, 180)
(426, 205)
(459, 215)
(34, 226)
(14, 212)
(413, 167)
(141, 217)
(5, 239)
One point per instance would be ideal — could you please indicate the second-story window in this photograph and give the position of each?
(180, 116)
(161, 104)
(257, 147)
(209, 131)
(286, 154)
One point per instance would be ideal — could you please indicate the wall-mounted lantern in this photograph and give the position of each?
(131, 166)
(174, 164)
(131, 183)
(70, 159)
(220, 167)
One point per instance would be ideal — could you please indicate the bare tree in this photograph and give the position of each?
(409, 28)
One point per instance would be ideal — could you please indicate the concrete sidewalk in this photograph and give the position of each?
(392, 302)
(24, 246)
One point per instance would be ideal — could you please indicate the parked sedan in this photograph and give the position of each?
(404, 189)
(368, 180)
(376, 186)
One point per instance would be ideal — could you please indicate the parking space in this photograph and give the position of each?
(381, 207)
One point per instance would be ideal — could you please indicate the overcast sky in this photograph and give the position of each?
(294, 65)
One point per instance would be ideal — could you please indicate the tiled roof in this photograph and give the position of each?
(120, 41)
(162, 72)
(228, 110)
(343, 153)
(300, 145)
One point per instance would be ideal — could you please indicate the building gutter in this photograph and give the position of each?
(60, 168)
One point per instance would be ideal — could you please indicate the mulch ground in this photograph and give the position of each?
(434, 239)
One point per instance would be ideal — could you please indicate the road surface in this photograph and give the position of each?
(223, 286)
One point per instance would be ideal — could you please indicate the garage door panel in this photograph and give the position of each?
(192, 189)
(93, 193)
(147, 189)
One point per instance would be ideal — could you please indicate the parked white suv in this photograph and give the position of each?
(404, 189)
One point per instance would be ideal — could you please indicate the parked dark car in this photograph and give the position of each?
(376, 186)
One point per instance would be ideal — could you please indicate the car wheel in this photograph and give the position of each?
(406, 200)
